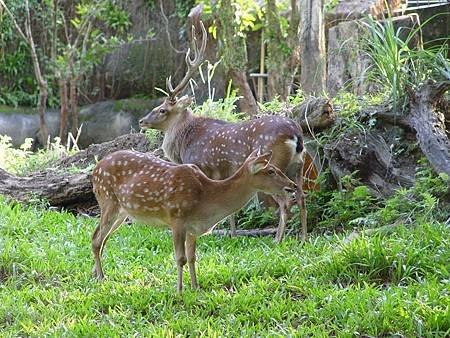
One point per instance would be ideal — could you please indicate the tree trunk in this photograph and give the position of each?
(74, 106)
(312, 40)
(247, 103)
(43, 86)
(283, 53)
(63, 111)
(234, 55)
(429, 124)
(43, 130)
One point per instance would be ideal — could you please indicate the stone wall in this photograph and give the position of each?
(101, 122)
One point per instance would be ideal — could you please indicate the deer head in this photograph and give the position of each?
(162, 116)
(266, 177)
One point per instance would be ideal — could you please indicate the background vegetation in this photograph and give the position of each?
(391, 280)
(372, 266)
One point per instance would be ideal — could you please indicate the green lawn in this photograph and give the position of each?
(384, 285)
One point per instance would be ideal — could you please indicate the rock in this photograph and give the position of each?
(22, 123)
(101, 122)
(347, 10)
(437, 27)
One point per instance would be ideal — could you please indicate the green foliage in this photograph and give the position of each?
(183, 7)
(348, 204)
(276, 105)
(224, 109)
(399, 63)
(355, 206)
(351, 116)
(235, 18)
(330, 5)
(154, 136)
(427, 200)
(17, 83)
(246, 14)
(90, 45)
(23, 161)
(254, 216)
(383, 285)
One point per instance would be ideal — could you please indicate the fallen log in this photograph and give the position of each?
(313, 114)
(367, 156)
(429, 124)
(247, 232)
(68, 183)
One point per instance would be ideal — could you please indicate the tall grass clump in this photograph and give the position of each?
(400, 61)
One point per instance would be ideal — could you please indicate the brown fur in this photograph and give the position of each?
(157, 192)
(218, 147)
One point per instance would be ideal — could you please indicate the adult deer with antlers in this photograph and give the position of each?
(218, 147)
(156, 192)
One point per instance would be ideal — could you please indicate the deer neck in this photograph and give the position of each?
(228, 196)
(175, 135)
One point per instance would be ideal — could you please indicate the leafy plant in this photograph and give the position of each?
(154, 136)
(224, 109)
(254, 216)
(399, 61)
(23, 161)
(427, 199)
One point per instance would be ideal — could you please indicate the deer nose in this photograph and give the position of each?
(289, 190)
(141, 122)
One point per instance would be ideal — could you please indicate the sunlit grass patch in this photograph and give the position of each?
(249, 286)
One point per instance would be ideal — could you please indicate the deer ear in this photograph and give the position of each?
(183, 102)
(253, 154)
(266, 157)
(256, 167)
(260, 162)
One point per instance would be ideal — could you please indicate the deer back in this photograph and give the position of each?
(220, 147)
(146, 187)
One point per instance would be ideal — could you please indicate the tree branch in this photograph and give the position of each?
(166, 26)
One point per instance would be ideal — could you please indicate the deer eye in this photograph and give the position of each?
(271, 172)
(162, 111)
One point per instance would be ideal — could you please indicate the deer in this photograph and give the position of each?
(219, 147)
(161, 193)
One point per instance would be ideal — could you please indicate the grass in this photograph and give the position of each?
(383, 285)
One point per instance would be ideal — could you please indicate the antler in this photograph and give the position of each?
(192, 64)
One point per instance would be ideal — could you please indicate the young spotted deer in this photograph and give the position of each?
(219, 148)
(156, 192)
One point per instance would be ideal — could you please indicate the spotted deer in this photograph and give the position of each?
(218, 147)
(157, 192)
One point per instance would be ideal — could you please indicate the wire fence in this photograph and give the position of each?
(423, 3)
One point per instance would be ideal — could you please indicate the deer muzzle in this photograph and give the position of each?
(291, 191)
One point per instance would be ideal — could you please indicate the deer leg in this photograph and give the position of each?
(190, 253)
(295, 172)
(179, 238)
(301, 200)
(110, 220)
(232, 221)
(283, 215)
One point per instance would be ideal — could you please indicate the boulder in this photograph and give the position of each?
(347, 10)
(101, 122)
